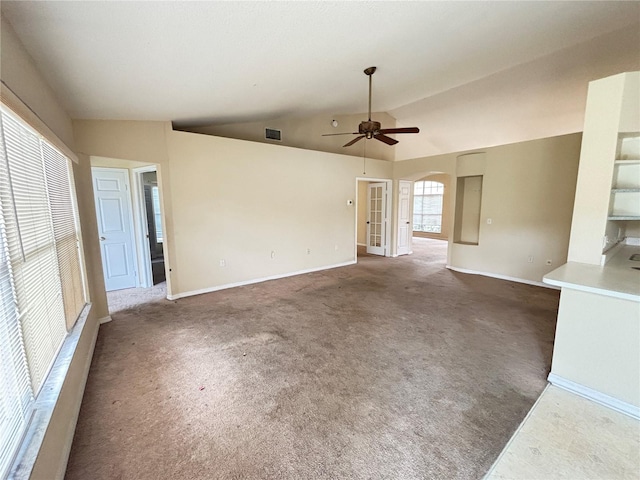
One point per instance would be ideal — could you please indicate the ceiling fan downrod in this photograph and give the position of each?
(369, 72)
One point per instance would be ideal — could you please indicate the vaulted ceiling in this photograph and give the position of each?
(221, 62)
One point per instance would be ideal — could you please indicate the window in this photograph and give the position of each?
(427, 206)
(155, 198)
(41, 282)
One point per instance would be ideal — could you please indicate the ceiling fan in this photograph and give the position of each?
(372, 129)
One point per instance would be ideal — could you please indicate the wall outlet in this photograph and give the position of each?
(273, 254)
(549, 262)
(223, 262)
(308, 251)
(530, 259)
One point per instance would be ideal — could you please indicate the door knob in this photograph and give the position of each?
(407, 223)
(102, 238)
(367, 223)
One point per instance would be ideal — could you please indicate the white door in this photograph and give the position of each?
(404, 217)
(376, 218)
(113, 211)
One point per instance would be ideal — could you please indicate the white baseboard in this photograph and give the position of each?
(257, 280)
(503, 277)
(106, 319)
(362, 244)
(594, 395)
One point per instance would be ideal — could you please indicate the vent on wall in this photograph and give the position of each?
(272, 134)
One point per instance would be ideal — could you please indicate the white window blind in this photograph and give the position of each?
(32, 250)
(59, 176)
(155, 196)
(16, 397)
(41, 281)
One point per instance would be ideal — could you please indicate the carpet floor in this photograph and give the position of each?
(388, 369)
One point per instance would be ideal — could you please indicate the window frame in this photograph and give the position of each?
(427, 188)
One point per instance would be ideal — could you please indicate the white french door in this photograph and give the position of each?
(113, 210)
(376, 218)
(404, 217)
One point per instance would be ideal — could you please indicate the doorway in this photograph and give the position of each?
(373, 217)
(152, 238)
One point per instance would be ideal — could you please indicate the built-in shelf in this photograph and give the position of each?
(623, 217)
(623, 190)
(628, 161)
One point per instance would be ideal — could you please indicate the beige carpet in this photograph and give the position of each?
(392, 368)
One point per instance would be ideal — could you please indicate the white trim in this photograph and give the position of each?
(361, 244)
(503, 277)
(594, 395)
(515, 434)
(256, 280)
(106, 319)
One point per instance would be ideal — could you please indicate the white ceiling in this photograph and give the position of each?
(221, 62)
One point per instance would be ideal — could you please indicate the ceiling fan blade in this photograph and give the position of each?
(385, 139)
(400, 130)
(333, 134)
(353, 141)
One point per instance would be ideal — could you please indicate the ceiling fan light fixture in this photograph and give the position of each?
(371, 129)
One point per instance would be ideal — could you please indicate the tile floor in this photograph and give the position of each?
(566, 436)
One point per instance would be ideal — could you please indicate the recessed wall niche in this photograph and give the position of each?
(466, 228)
(469, 172)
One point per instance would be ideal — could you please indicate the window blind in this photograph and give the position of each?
(59, 177)
(16, 398)
(31, 247)
(41, 281)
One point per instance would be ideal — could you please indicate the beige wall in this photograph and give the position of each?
(21, 76)
(307, 133)
(528, 190)
(597, 344)
(237, 201)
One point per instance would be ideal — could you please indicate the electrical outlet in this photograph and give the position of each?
(273, 254)
(223, 263)
(530, 259)
(308, 251)
(548, 262)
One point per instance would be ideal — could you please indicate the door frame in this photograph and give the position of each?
(142, 230)
(132, 213)
(388, 219)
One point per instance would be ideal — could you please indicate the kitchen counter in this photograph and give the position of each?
(616, 278)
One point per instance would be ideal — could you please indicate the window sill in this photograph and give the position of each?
(46, 402)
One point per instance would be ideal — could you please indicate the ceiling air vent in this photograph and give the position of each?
(272, 134)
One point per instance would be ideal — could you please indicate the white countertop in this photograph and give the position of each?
(615, 279)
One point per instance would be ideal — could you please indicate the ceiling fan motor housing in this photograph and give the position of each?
(369, 128)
